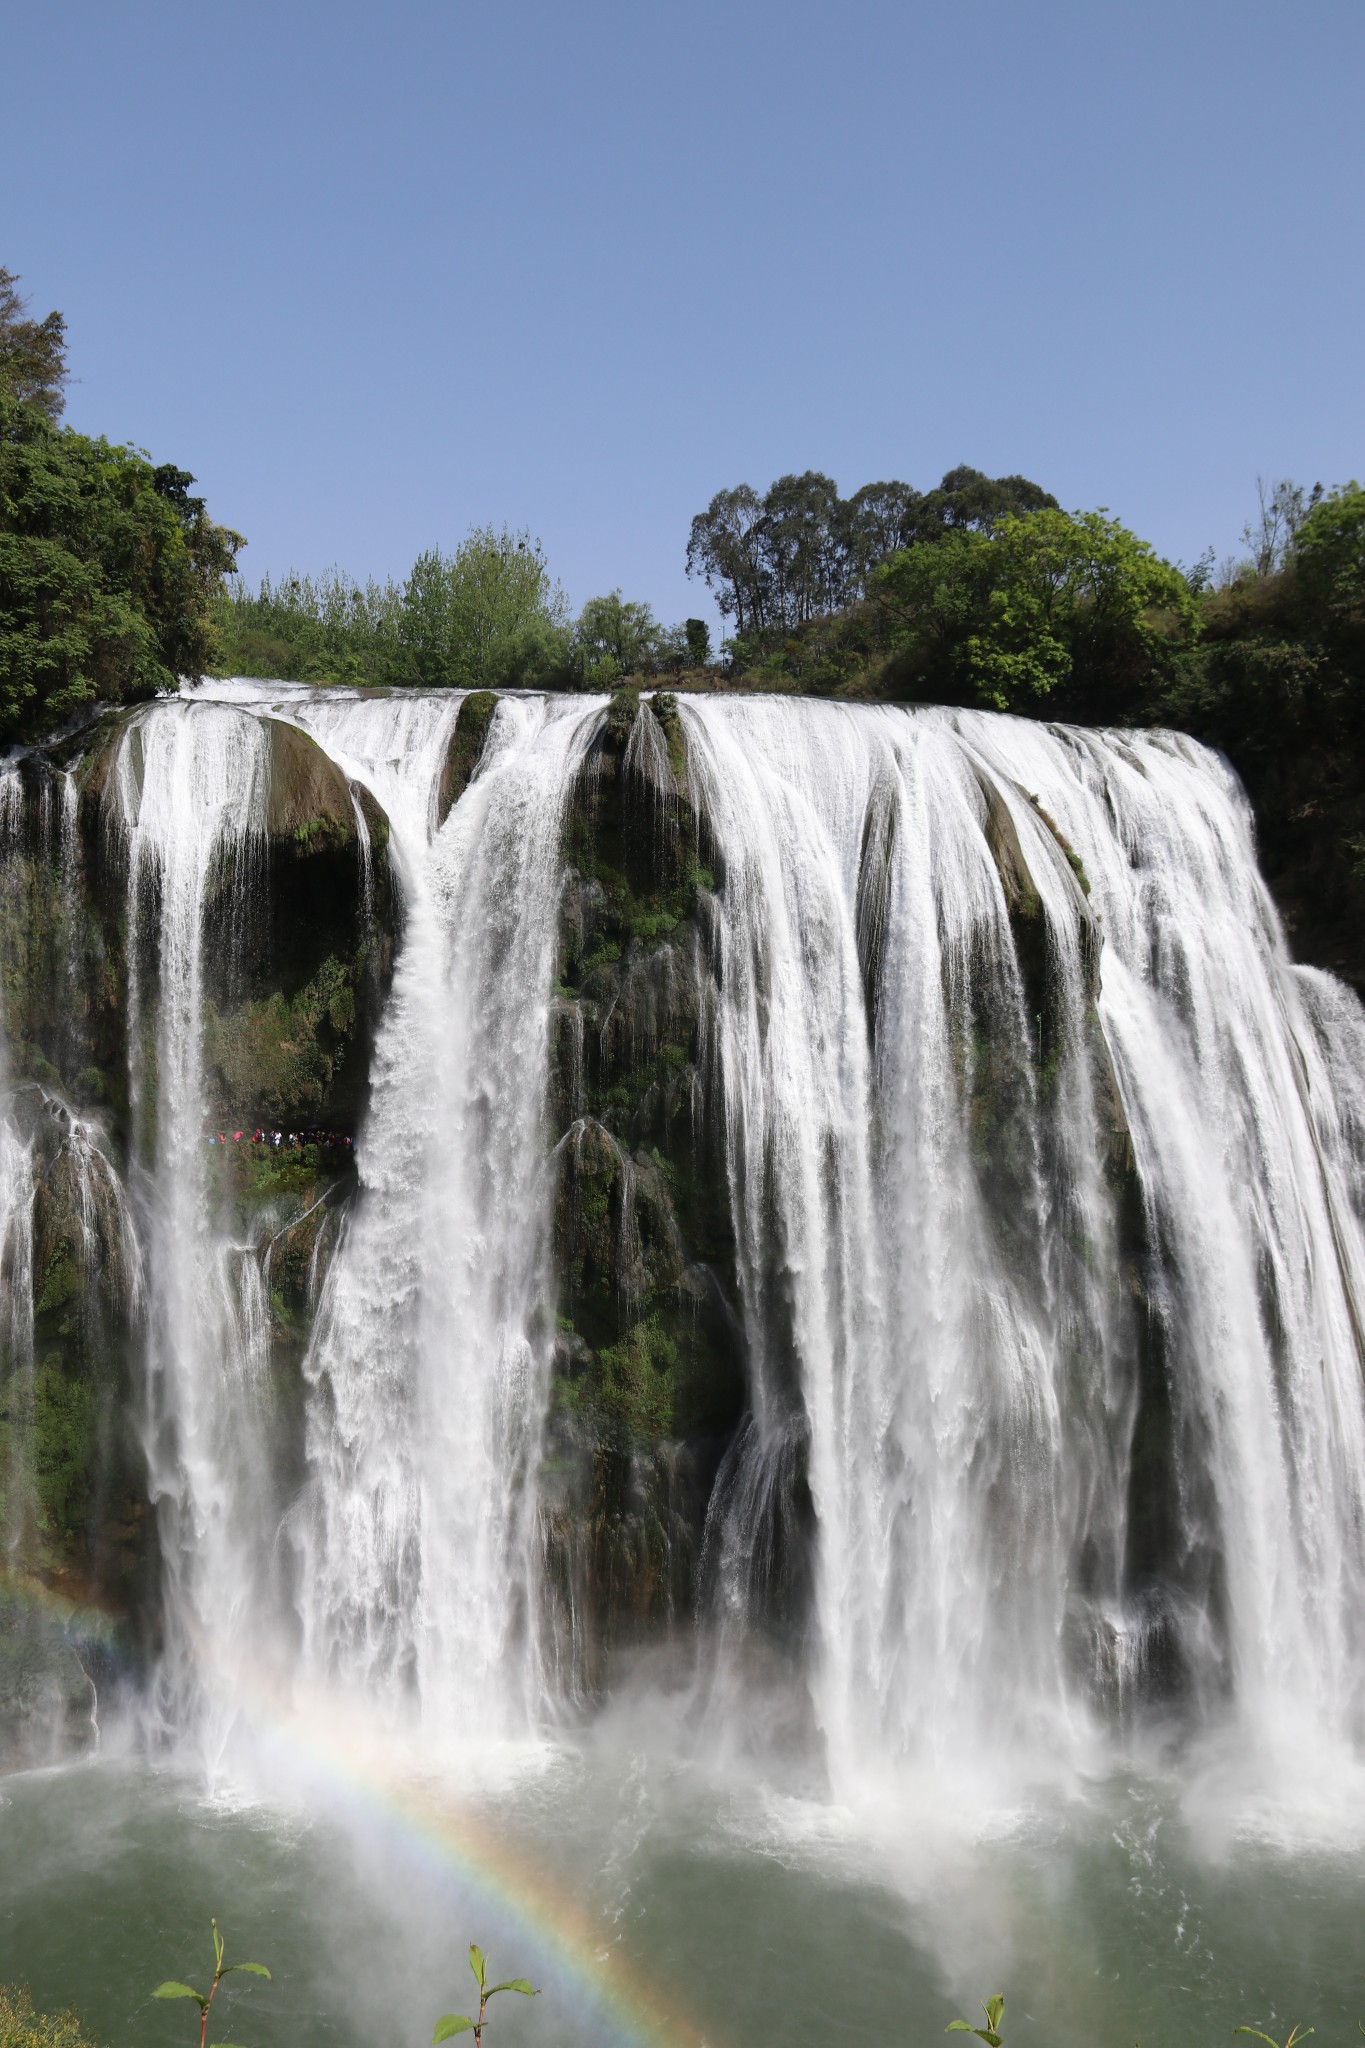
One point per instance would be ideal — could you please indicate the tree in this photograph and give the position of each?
(801, 538)
(697, 642)
(32, 352)
(725, 549)
(879, 520)
(108, 572)
(1327, 553)
(801, 552)
(487, 616)
(1282, 508)
(1047, 604)
(968, 498)
(614, 638)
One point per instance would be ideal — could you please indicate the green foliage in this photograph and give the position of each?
(22, 2027)
(800, 553)
(1328, 556)
(615, 638)
(994, 2009)
(32, 352)
(487, 617)
(1294, 2034)
(1048, 602)
(173, 1988)
(107, 573)
(1276, 682)
(327, 628)
(635, 1386)
(108, 567)
(452, 2023)
(274, 1058)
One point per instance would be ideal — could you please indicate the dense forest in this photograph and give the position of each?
(114, 583)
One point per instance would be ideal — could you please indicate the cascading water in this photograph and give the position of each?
(429, 1358)
(932, 1252)
(188, 795)
(1046, 1177)
(16, 1247)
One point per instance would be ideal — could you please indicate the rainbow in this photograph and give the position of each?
(426, 1822)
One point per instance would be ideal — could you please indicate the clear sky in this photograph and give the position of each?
(375, 273)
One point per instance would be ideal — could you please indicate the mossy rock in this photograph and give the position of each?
(650, 1379)
(1002, 837)
(375, 816)
(664, 707)
(276, 1059)
(465, 750)
(309, 802)
(621, 714)
(62, 970)
(100, 752)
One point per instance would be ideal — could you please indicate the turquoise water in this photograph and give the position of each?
(708, 1907)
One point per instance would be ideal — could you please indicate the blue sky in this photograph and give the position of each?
(375, 274)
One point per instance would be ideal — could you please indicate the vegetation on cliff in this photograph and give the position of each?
(109, 569)
(488, 616)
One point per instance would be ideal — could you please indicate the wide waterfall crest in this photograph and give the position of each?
(1044, 1171)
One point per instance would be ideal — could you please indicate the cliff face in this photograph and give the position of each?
(650, 1379)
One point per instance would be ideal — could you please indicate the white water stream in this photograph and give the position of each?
(966, 1353)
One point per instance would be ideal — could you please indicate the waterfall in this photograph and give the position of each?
(428, 1360)
(188, 795)
(1045, 1174)
(988, 1364)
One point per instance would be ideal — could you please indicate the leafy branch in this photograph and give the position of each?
(459, 2023)
(994, 2009)
(174, 1989)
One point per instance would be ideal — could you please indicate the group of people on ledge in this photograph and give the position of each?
(285, 1141)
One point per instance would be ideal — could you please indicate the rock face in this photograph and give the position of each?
(465, 749)
(650, 1380)
(290, 1018)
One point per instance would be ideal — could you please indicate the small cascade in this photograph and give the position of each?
(188, 794)
(16, 1255)
(17, 1508)
(429, 1355)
